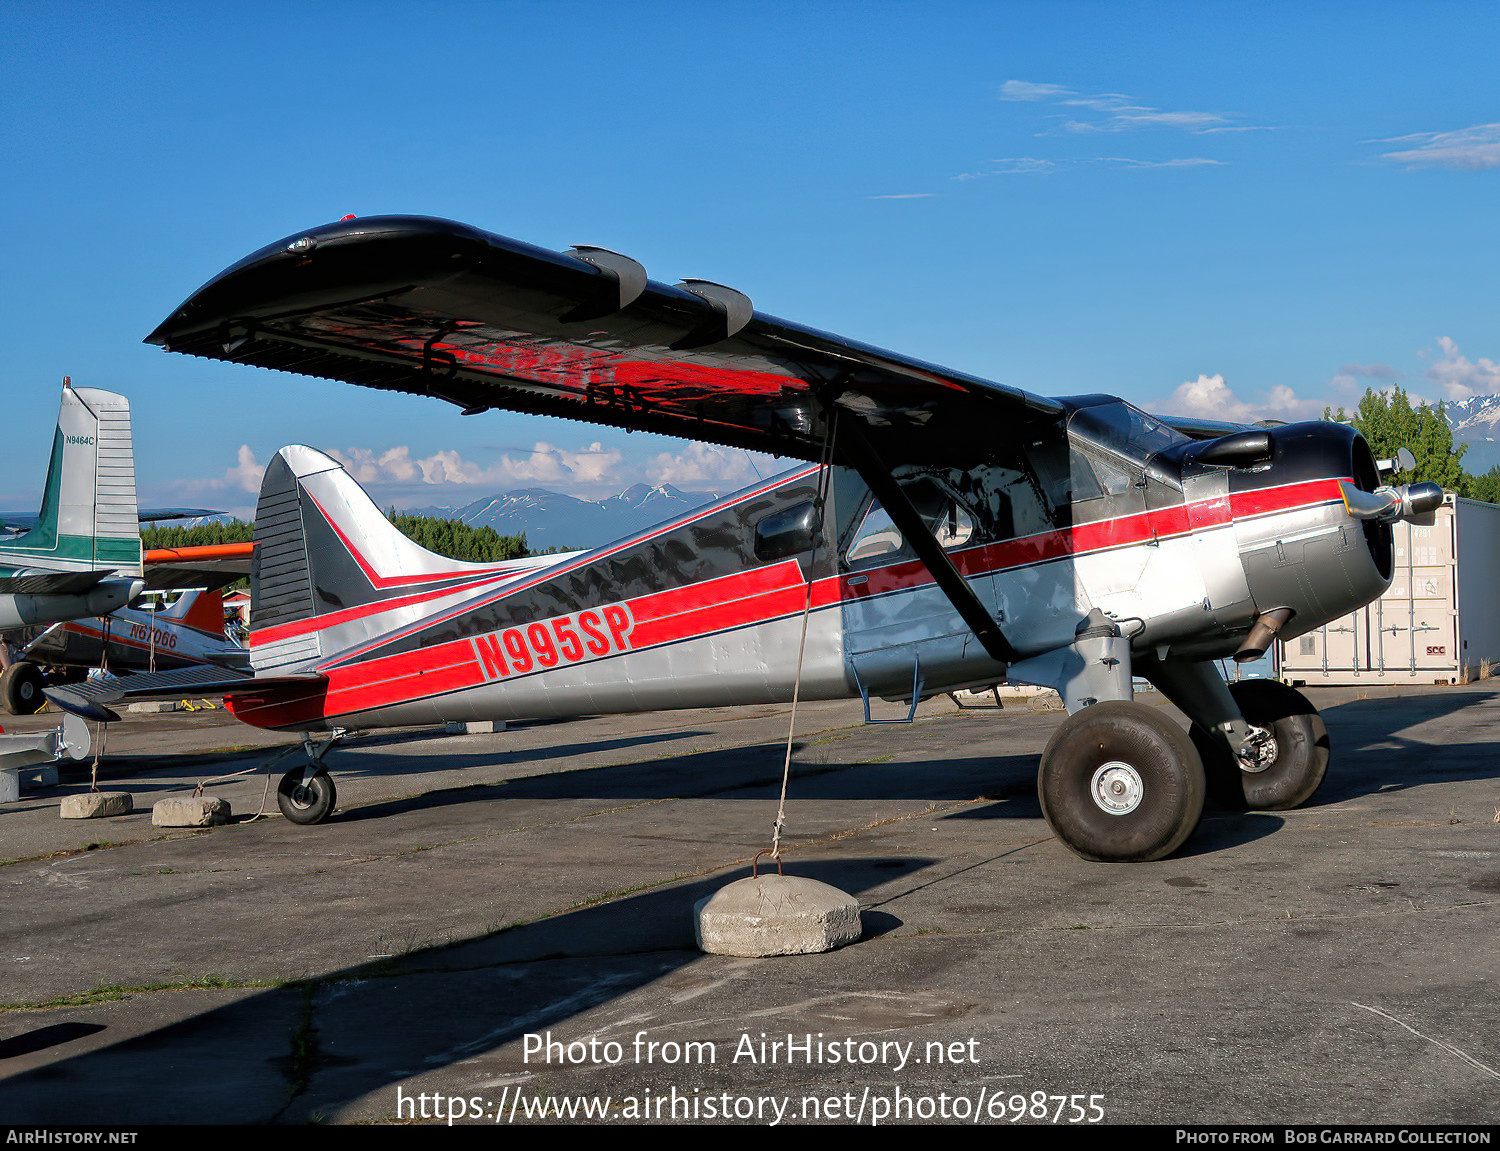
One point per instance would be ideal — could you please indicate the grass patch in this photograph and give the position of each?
(114, 992)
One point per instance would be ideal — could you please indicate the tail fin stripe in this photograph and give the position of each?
(380, 582)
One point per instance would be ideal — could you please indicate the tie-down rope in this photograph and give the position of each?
(820, 505)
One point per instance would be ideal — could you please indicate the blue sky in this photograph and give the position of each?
(1239, 210)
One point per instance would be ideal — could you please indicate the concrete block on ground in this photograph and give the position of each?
(96, 805)
(190, 811)
(474, 727)
(151, 706)
(10, 784)
(43, 776)
(776, 915)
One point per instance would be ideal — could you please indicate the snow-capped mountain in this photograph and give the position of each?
(551, 520)
(1476, 422)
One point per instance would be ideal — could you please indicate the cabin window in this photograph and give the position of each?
(787, 533)
(877, 540)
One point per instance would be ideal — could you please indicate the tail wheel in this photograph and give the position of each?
(1121, 782)
(310, 802)
(1284, 759)
(21, 688)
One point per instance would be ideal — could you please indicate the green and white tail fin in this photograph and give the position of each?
(89, 519)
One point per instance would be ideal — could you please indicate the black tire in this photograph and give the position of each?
(1294, 762)
(1120, 782)
(311, 802)
(21, 688)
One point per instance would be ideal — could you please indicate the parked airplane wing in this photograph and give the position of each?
(156, 515)
(209, 566)
(25, 521)
(433, 307)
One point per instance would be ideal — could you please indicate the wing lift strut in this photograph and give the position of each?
(861, 455)
(857, 450)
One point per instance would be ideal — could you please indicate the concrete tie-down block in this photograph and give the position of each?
(776, 915)
(96, 805)
(190, 811)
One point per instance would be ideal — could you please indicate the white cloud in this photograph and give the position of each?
(705, 466)
(1132, 119)
(246, 473)
(1009, 166)
(225, 492)
(1025, 90)
(1461, 378)
(1185, 162)
(1028, 165)
(1117, 112)
(545, 464)
(1210, 398)
(1468, 149)
(244, 476)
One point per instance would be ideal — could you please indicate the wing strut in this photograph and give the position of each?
(861, 456)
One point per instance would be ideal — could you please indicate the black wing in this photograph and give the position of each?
(416, 304)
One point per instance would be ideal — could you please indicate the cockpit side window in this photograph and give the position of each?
(1110, 447)
(876, 540)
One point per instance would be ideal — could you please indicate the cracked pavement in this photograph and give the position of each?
(1329, 965)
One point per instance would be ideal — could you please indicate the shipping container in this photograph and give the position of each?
(1438, 622)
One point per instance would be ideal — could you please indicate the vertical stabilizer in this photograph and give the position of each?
(330, 571)
(200, 610)
(89, 518)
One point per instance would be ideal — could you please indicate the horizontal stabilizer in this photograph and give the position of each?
(93, 698)
(51, 583)
(169, 577)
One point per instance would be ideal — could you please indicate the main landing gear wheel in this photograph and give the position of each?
(310, 802)
(1284, 759)
(1121, 782)
(21, 688)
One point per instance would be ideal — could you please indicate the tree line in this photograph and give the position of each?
(1389, 422)
(452, 538)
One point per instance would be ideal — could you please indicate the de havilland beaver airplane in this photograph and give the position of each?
(945, 532)
(189, 633)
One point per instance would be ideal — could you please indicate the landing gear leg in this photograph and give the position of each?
(306, 795)
(1119, 780)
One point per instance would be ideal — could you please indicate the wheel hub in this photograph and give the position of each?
(1117, 788)
(1259, 751)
